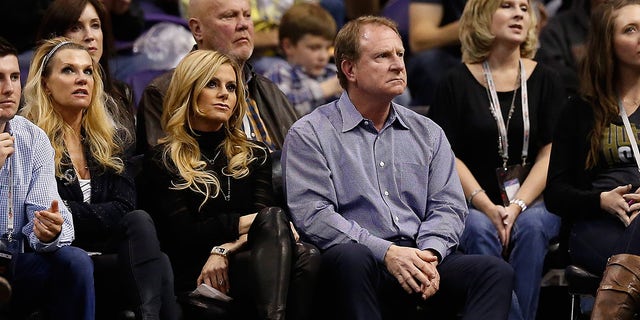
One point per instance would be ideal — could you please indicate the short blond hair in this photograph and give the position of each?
(475, 31)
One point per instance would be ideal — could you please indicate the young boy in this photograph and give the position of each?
(306, 34)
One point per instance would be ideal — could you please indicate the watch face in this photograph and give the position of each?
(220, 250)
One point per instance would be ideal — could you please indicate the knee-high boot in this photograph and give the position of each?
(271, 241)
(618, 296)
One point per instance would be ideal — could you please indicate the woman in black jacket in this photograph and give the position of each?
(64, 96)
(212, 191)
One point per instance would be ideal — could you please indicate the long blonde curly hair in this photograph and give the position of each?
(180, 147)
(98, 126)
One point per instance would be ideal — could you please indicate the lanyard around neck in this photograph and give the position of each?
(8, 163)
(503, 143)
(632, 137)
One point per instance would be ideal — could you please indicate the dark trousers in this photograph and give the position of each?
(354, 285)
(59, 283)
(148, 284)
(593, 241)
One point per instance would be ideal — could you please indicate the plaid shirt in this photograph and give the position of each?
(33, 185)
(256, 129)
(301, 89)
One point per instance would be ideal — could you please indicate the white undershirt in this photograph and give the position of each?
(85, 186)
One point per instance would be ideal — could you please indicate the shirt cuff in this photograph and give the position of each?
(47, 247)
(436, 245)
(378, 246)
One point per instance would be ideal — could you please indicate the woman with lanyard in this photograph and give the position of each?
(593, 173)
(498, 111)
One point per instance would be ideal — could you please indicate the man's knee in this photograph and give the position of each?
(73, 260)
(349, 259)
(493, 269)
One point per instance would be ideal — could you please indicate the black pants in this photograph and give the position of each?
(354, 285)
(275, 274)
(593, 241)
(145, 274)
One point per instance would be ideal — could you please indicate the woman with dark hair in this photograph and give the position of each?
(211, 190)
(65, 98)
(88, 23)
(594, 176)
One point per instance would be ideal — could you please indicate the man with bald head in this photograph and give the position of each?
(225, 26)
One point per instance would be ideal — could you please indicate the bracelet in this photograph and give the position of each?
(473, 194)
(520, 203)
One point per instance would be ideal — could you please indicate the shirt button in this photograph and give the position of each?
(382, 163)
(397, 219)
(253, 135)
(386, 193)
(366, 123)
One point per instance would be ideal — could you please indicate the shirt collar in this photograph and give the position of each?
(351, 117)
(7, 127)
(247, 71)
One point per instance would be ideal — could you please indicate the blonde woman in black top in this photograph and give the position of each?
(211, 190)
(498, 110)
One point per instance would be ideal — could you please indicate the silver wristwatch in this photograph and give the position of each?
(220, 251)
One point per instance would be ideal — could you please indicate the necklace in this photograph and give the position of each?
(81, 171)
(511, 108)
(513, 100)
(226, 196)
(633, 103)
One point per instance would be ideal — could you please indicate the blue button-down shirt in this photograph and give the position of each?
(34, 187)
(345, 181)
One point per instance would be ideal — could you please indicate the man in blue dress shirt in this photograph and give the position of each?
(55, 277)
(374, 185)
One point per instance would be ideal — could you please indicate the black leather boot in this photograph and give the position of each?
(271, 244)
